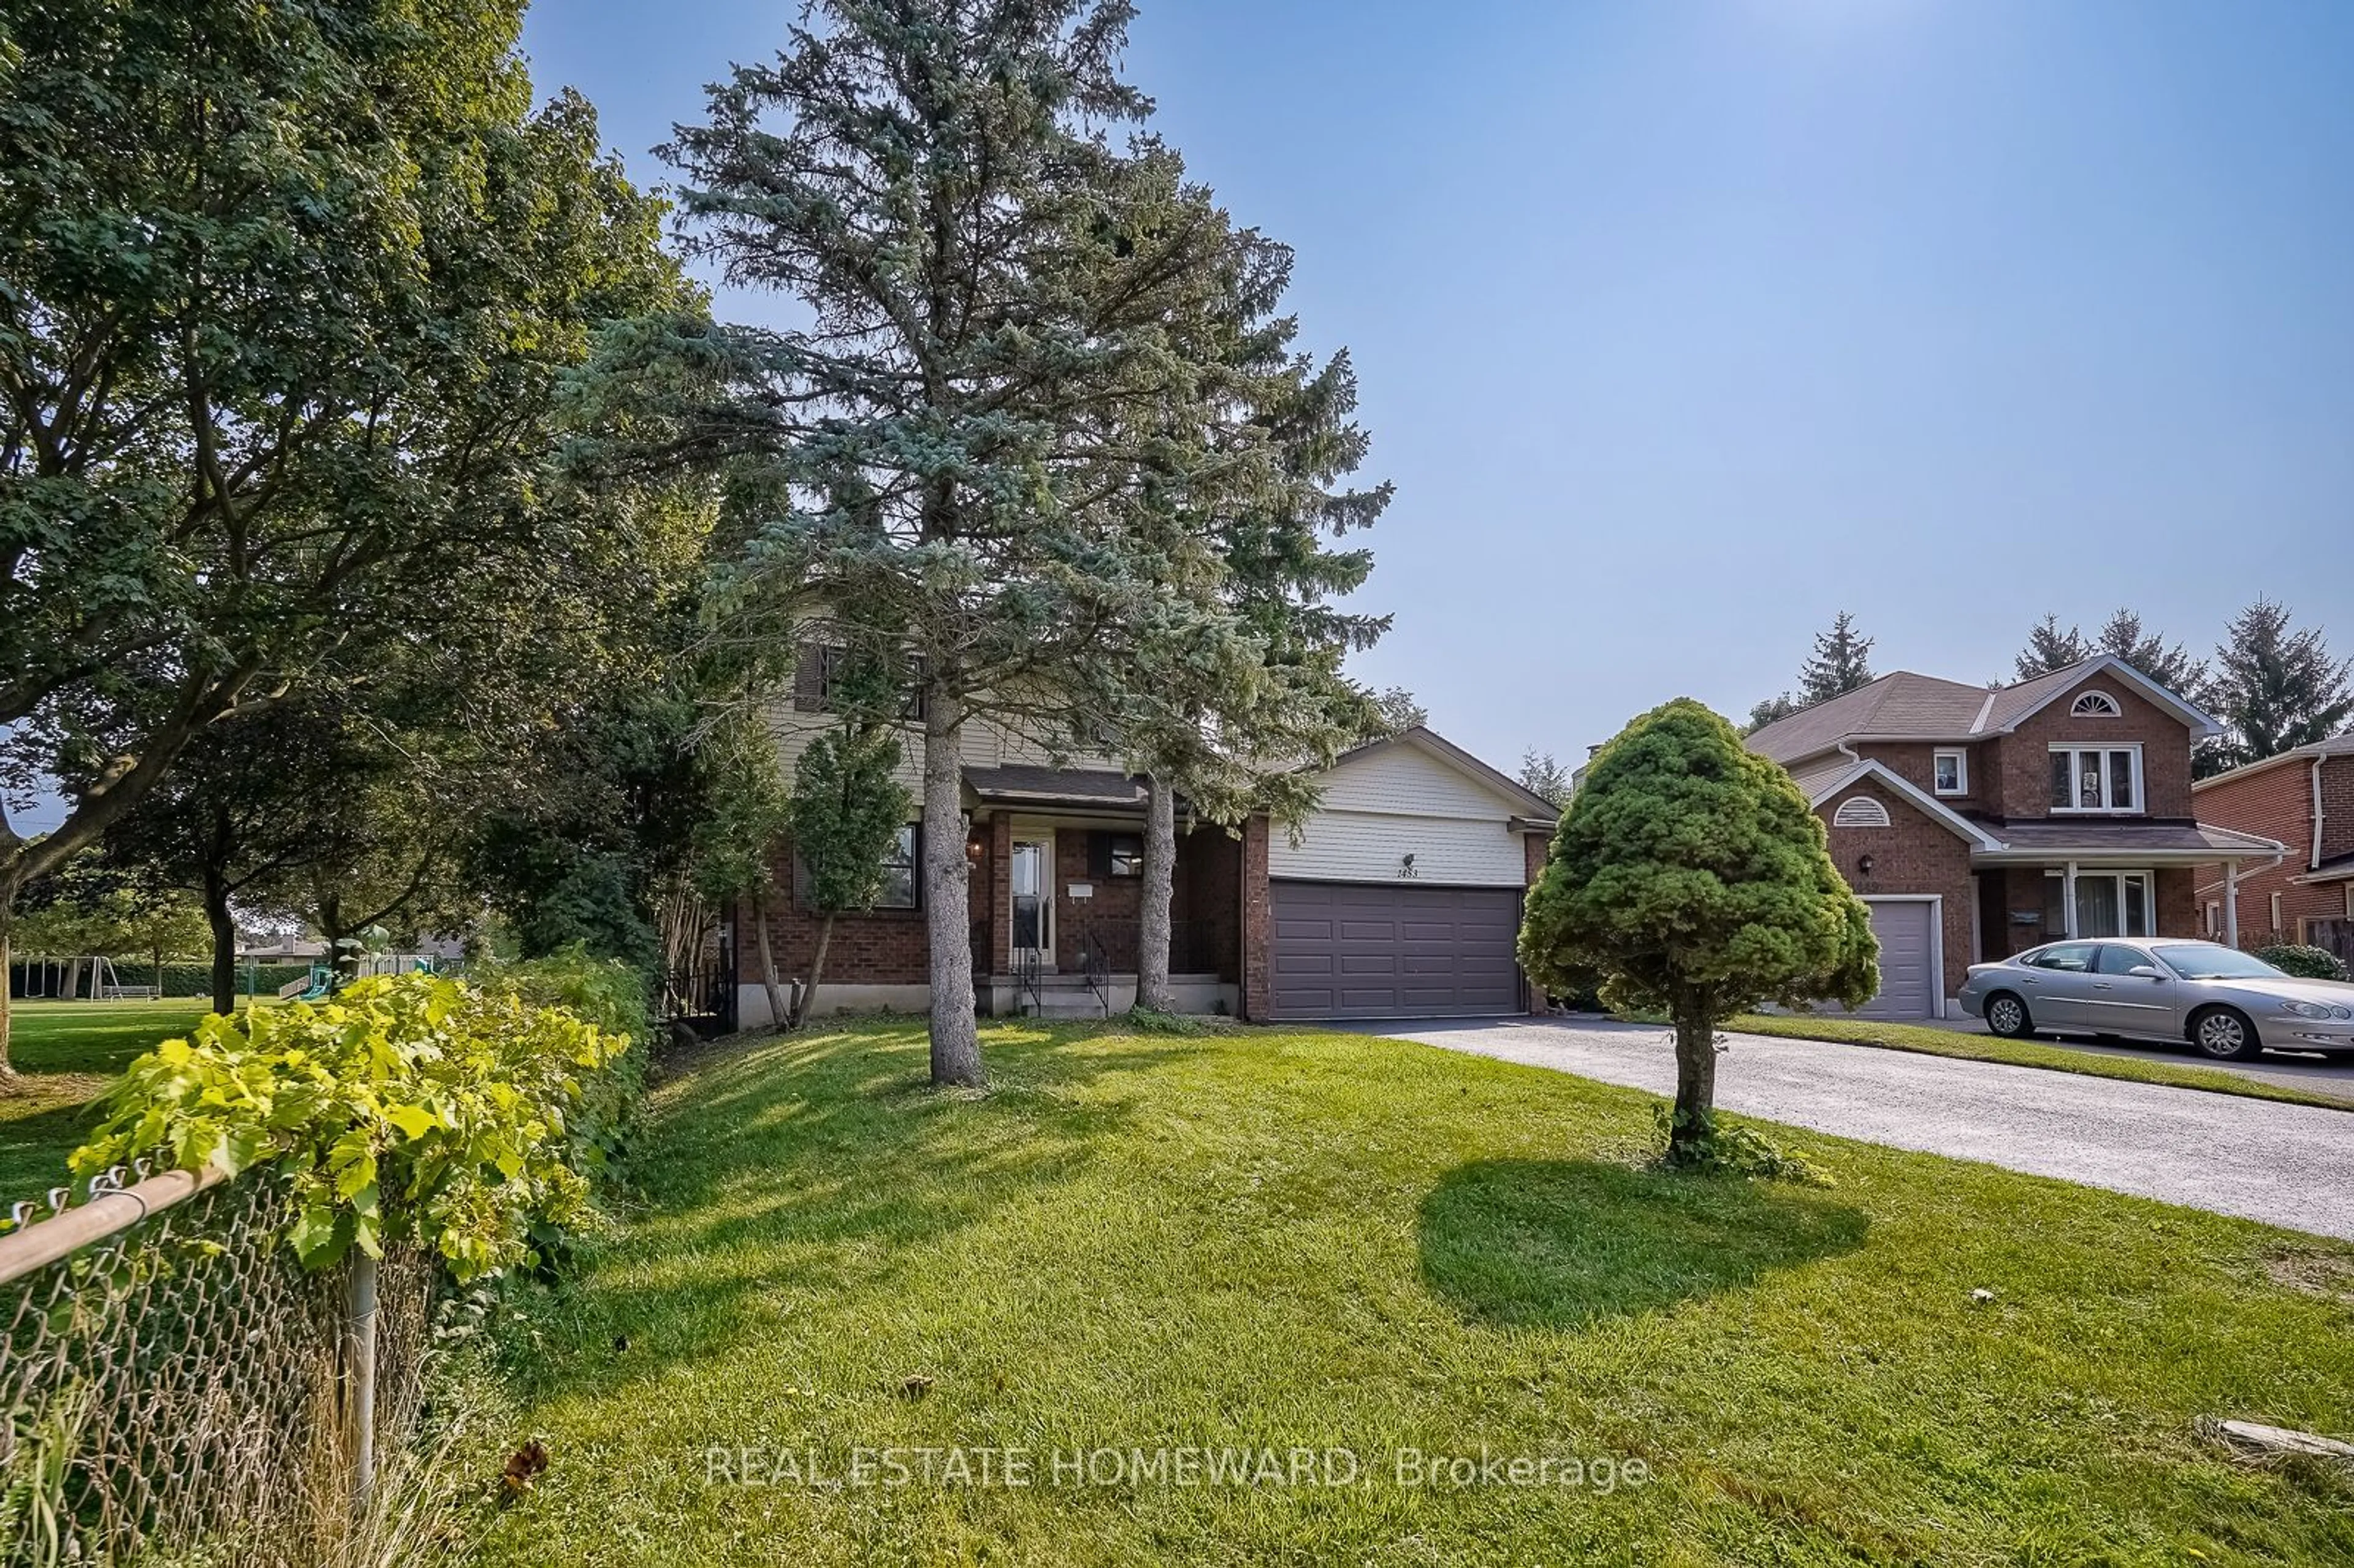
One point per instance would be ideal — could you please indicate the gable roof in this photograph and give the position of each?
(1906, 706)
(1820, 784)
(2339, 745)
(1539, 812)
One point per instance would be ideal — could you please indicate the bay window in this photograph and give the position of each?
(2097, 779)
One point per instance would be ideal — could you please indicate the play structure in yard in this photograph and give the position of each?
(88, 978)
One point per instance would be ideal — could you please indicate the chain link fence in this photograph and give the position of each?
(177, 1389)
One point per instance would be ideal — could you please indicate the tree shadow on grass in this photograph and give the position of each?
(1560, 1243)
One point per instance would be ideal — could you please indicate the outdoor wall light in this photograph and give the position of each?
(973, 850)
(1863, 866)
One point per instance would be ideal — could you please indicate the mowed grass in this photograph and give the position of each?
(1978, 1047)
(65, 1054)
(1319, 1241)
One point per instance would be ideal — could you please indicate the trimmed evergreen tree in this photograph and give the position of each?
(2276, 688)
(1693, 876)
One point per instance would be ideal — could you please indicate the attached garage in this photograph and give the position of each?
(1909, 962)
(1348, 952)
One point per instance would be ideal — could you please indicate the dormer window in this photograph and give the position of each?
(1950, 771)
(2097, 779)
(2095, 705)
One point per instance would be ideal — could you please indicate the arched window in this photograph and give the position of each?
(1860, 812)
(2095, 705)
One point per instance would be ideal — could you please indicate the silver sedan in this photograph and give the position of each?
(2226, 1002)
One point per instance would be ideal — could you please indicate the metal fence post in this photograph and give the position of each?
(359, 1362)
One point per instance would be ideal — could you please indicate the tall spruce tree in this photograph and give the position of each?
(2048, 648)
(2051, 647)
(1016, 331)
(2276, 688)
(1841, 663)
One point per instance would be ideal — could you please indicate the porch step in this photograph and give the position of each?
(1054, 1006)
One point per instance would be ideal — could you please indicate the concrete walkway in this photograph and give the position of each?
(2284, 1164)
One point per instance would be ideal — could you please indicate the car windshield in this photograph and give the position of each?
(2212, 960)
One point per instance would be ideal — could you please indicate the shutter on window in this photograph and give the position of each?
(1099, 856)
(809, 678)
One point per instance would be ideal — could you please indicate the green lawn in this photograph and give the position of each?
(1932, 1042)
(67, 1052)
(1326, 1241)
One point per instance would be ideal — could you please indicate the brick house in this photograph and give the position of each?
(1399, 897)
(1980, 822)
(2304, 797)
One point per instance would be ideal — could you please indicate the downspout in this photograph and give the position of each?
(2314, 864)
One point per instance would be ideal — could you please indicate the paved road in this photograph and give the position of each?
(2313, 1074)
(2288, 1165)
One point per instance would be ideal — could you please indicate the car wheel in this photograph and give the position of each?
(2008, 1016)
(2223, 1033)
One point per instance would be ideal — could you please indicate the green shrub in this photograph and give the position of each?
(610, 994)
(2308, 963)
(409, 1108)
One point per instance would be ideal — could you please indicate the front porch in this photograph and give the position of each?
(1060, 854)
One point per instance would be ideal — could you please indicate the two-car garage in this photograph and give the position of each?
(1400, 896)
(1347, 950)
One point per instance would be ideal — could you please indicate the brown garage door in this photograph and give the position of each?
(1342, 950)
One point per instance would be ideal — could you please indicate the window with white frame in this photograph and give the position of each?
(1951, 771)
(2097, 779)
(2276, 919)
(2109, 904)
(2095, 705)
(2214, 919)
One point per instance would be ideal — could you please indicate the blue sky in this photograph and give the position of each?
(1683, 326)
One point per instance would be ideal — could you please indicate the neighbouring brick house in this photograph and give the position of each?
(2305, 799)
(1980, 822)
(1399, 897)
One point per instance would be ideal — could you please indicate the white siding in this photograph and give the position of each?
(1396, 801)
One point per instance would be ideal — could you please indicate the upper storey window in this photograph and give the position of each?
(2097, 779)
(2095, 705)
(1951, 772)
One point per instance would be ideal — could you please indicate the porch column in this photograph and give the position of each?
(2231, 903)
(2068, 899)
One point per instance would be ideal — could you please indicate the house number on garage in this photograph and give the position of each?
(1405, 867)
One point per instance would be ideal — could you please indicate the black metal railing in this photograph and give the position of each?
(1096, 965)
(1029, 965)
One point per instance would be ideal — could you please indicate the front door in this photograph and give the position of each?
(1033, 903)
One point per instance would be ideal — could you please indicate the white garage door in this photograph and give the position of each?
(1908, 978)
(1398, 951)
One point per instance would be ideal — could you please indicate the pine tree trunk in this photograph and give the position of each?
(802, 1014)
(8, 976)
(1695, 1078)
(224, 924)
(1152, 991)
(955, 1034)
(779, 1015)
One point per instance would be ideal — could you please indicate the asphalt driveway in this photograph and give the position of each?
(2284, 1164)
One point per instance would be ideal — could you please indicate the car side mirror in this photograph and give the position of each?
(2144, 971)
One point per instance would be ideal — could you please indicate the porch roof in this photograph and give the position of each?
(1029, 785)
(2163, 844)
